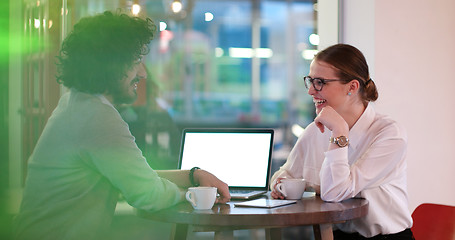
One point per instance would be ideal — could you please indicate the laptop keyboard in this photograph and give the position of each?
(240, 191)
(244, 192)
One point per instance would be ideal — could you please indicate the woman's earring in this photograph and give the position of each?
(349, 93)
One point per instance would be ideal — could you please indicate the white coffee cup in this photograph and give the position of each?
(291, 188)
(201, 198)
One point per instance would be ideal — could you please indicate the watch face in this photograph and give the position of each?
(342, 141)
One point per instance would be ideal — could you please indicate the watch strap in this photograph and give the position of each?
(191, 176)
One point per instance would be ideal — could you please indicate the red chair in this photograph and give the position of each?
(434, 222)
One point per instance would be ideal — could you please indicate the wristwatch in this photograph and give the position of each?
(191, 175)
(341, 141)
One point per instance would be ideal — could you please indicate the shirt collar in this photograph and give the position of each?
(362, 125)
(99, 96)
(104, 100)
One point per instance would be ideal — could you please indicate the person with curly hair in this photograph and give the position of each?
(86, 156)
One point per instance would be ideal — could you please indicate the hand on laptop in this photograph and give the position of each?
(205, 178)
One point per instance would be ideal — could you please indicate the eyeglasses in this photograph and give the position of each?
(317, 83)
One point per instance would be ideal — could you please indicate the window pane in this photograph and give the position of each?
(232, 63)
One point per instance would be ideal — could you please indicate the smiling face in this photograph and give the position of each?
(126, 93)
(334, 94)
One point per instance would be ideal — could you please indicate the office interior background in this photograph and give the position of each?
(239, 64)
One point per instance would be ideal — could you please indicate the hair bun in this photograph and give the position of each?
(371, 93)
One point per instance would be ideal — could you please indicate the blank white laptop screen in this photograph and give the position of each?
(239, 157)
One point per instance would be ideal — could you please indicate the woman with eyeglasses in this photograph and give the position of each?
(350, 151)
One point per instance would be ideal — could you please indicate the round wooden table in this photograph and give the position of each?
(223, 219)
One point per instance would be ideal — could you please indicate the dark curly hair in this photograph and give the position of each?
(100, 50)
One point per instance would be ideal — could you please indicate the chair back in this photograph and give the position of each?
(434, 222)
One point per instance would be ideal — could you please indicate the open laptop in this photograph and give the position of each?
(239, 157)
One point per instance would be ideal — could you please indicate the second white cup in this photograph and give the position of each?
(291, 188)
(201, 198)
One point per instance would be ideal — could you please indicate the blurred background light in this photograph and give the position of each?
(241, 52)
(37, 23)
(163, 26)
(135, 9)
(219, 52)
(208, 16)
(263, 53)
(309, 54)
(176, 6)
(297, 130)
(314, 39)
(249, 53)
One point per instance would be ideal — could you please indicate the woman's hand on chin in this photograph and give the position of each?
(330, 119)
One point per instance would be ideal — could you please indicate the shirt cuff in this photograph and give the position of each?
(337, 155)
(182, 194)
